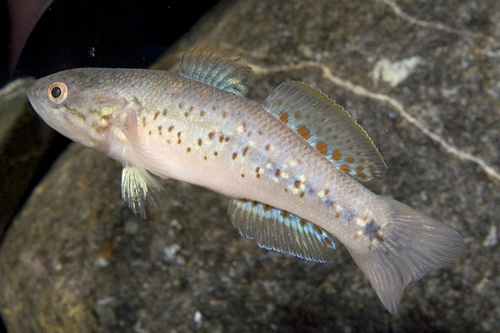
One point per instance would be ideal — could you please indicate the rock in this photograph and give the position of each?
(422, 79)
(24, 138)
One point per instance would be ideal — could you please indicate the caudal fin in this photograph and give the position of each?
(413, 246)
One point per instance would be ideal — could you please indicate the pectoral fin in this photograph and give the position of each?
(278, 230)
(139, 186)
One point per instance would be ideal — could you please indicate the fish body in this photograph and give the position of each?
(288, 164)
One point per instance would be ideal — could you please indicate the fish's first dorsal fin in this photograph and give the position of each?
(217, 68)
(278, 230)
(327, 127)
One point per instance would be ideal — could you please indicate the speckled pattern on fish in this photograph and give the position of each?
(291, 165)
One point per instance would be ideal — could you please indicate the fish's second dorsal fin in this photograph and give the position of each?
(217, 68)
(327, 127)
(278, 230)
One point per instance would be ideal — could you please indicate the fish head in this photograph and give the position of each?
(81, 104)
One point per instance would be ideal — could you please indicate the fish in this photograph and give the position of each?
(292, 166)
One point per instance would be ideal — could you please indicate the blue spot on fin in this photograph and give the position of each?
(278, 230)
(216, 68)
(327, 127)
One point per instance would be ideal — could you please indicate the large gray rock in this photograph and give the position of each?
(423, 80)
(24, 137)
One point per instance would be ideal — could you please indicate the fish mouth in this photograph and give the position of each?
(31, 93)
(33, 98)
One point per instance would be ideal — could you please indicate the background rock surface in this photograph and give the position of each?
(421, 77)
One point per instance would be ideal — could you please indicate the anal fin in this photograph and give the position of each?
(278, 230)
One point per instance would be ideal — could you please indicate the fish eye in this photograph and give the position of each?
(58, 92)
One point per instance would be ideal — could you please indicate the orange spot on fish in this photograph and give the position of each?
(277, 172)
(170, 128)
(296, 184)
(336, 155)
(188, 149)
(327, 241)
(302, 194)
(371, 168)
(245, 151)
(361, 175)
(180, 105)
(221, 138)
(249, 134)
(149, 133)
(202, 113)
(213, 108)
(284, 214)
(267, 208)
(242, 176)
(216, 153)
(211, 135)
(224, 114)
(234, 156)
(303, 222)
(164, 112)
(284, 117)
(318, 229)
(356, 237)
(267, 147)
(178, 134)
(303, 132)
(186, 114)
(337, 215)
(200, 142)
(349, 159)
(159, 130)
(365, 218)
(156, 115)
(280, 101)
(297, 114)
(345, 168)
(321, 148)
(244, 127)
(191, 108)
(327, 191)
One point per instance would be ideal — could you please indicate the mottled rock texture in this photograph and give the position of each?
(421, 77)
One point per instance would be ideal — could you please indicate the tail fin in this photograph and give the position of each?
(414, 246)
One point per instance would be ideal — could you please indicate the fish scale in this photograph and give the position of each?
(288, 165)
